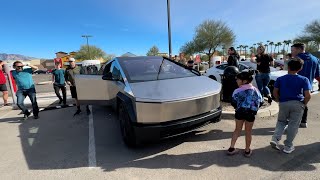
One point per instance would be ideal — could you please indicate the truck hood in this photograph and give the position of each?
(175, 89)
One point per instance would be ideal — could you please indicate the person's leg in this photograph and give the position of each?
(304, 118)
(259, 83)
(57, 91)
(236, 133)
(297, 109)
(33, 99)
(64, 94)
(248, 128)
(20, 102)
(75, 96)
(284, 111)
(266, 90)
(5, 97)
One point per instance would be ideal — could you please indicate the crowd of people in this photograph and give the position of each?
(26, 87)
(293, 98)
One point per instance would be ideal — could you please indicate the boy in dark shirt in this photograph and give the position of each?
(59, 83)
(293, 98)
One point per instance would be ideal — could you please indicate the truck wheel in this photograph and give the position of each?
(127, 131)
(213, 77)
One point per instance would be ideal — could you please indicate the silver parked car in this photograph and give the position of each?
(155, 97)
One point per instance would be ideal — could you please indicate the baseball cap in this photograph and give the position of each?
(71, 60)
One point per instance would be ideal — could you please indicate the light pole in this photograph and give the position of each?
(169, 28)
(87, 37)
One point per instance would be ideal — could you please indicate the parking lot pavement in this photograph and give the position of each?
(58, 145)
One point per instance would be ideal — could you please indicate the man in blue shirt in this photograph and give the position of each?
(24, 81)
(310, 70)
(293, 98)
(59, 82)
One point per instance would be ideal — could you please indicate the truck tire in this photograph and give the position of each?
(126, 128)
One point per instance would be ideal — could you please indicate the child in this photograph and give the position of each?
(293, 92)
(246, 100)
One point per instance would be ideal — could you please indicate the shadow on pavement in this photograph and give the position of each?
(59, 141)
(264, 158)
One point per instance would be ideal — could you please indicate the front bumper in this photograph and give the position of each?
(149, 132)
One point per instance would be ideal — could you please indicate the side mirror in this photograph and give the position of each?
(107, 76)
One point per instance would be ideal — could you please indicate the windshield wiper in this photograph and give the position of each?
(160, 68)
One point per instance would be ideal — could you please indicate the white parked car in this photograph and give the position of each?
(216, 72)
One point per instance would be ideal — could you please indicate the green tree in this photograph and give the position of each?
(271, 44)
(91, 52)
(209, 37)
(153, 51)
(311, 32)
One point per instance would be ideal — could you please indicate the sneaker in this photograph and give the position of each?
(288, 150)
(275, 145)
(232, 151)
(26, 115)
(247, 154)
(303, 125)
(36, 116)
(77, 113)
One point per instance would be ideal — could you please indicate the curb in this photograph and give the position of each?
(273, 109)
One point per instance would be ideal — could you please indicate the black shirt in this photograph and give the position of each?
(263, 63)
(233, 60)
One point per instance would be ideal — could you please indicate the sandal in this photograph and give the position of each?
(247, 154)
(232, 151)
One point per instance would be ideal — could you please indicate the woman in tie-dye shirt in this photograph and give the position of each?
(246, 100)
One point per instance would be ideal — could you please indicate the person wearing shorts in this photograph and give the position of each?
(69, 78)
(3, 86)
(246, 100)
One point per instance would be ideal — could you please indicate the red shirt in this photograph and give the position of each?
(2, 77)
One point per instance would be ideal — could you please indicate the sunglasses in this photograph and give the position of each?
(20, 67)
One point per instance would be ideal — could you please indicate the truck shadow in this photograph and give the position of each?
(60, 141)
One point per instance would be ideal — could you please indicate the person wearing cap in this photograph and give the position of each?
(26, 87)
(70, 73)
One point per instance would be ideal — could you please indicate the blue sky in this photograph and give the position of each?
(39, 28)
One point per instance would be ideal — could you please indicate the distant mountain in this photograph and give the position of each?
(4, 56)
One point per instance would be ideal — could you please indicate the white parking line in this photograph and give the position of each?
(92, 146)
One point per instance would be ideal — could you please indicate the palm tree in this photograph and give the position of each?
(288, 44)
(238, 48)
(266, 45)
(284, 45)
(254, 45)
(241, 46)
(271, 44)
(275, 47)
(245, 49)
(279, 44)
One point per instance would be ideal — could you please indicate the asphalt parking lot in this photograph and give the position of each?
(60, 146)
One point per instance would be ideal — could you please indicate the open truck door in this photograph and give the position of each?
(99, 89)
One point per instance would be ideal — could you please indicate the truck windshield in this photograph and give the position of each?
(140, 70)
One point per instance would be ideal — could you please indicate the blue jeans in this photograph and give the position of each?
(290, 113)
(263, 80)
(31, 93)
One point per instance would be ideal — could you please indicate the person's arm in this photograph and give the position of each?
(34, 68)
(53, 78)
(307, 97)
(276, 94)
(66, 77)
(271, 61)
(230, 61)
